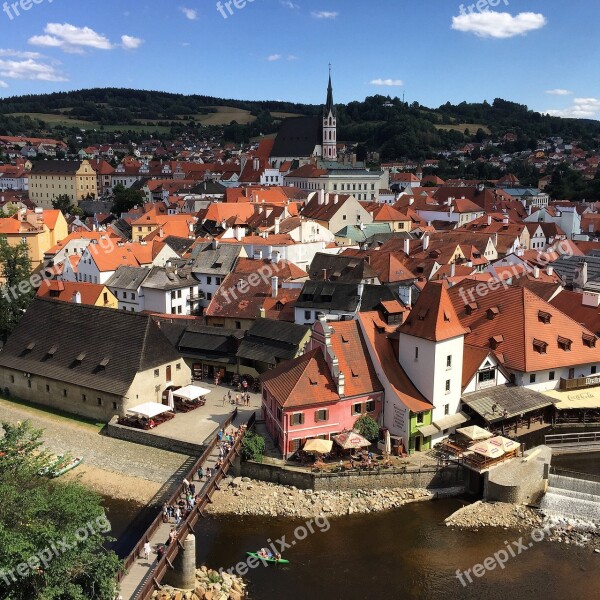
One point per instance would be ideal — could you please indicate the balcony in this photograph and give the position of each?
(197, 296)
(579, 382)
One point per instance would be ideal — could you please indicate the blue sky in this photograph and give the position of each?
(543, 53)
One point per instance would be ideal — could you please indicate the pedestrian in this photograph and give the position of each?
(147, 550)
(200, 473)
(229, 395)
(237, 399)
(192, 491)
(186, 485)
(220, 434)
(224, 399)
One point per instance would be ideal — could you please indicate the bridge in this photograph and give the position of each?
(140, 578)
(570, 443)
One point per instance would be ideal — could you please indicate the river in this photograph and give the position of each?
(407, 553)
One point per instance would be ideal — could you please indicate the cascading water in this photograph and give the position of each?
(572, 498)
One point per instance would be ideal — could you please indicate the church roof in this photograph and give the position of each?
(298, 137)
(329, 107)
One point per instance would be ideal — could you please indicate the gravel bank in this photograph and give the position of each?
(210, 585)
(243, 496)
(524, 520)
(110, 467)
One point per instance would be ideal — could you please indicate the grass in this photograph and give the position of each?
(224, 116)
(58, 120)
(55, 414)
(472, 127)
(283, 115)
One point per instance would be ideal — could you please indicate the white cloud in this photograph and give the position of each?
(3, 84)
(131, 43)
(274, 57)
(190, 13)
(289, 4)
(387, 82)
(559, 92)
(292, 57)
(29, 69)
(70, 38)
(582, 108)
(490, 24)
(19, 53)
(324, 14)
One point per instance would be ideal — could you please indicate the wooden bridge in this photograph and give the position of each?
(140, 578)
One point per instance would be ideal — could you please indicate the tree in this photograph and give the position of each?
(51, 532)
(367, 427)
(361, 153)
(18, 291)
(64, 204)
(125, 199)
(253, 446)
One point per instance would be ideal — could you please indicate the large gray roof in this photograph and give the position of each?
(97, 348)
(298, 137)
(218, 261)
(127, 278)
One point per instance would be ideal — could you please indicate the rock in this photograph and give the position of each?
(233, 595)
(246, 480)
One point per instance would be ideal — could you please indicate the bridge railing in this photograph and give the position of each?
(166, 562)
(572, 438)
(153, 527)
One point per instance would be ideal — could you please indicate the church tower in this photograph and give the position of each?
(329, 126)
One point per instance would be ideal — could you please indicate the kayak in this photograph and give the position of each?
(66, 467)
(281, 561)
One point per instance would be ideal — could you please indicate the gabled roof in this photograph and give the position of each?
(66, 290)
(433, 316)
(115, 345)
(298, 137)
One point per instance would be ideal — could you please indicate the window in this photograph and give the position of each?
(448, 362)
(209, 280)
(532, 378)
(29, 383)
(83, 397)
(12, 378)
(370, 406)
(173, 295)
(156, 372)
(209, 296)
(593, 370)
(486, 375)
(115, 406)
(295, 445)
(417, 353)
(238, 325)
(178, 367)
(179, 293)
(447, 385)
(357, 409)
(307, 314)
(297, 419)
(419, 418)
(321, 415)
(551, 376)
(65, 393)
(564, 343)
(47, 388)
(99, 400)
(279, 414)
(132, 296)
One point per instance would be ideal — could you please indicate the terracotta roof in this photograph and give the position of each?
(65, 290)
(304, 381)
(571, 303)
(473, 357)
(387, 213)
(433, 316)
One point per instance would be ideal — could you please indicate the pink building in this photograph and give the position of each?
(323, 392)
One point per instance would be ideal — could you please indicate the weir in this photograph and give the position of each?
(572, 496)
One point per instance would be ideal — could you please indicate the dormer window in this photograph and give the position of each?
(496, 341)
(544, 317)
(564, 343)
(589, 340)
(471, 308)
(492, 312)
(422, 314)
(540, 346)
(52, 351)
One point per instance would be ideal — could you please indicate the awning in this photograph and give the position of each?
(149, 409)
(588, 398)
(450, 421)
(191, 392)
(428, 430)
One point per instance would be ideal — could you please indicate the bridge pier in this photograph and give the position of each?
(183, 574)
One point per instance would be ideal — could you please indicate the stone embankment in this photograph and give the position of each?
(210, 585)
(524, 520)
(243, 496)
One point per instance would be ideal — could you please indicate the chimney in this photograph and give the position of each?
(321, 197)
(336, 199)
(258, 254)
(505, 220)
(550, 270)
(262, 313)
(406, 246)
(256, 164)
(590, 299)
(425, 242)
(489, 220)
(215, 244)
(452, 269)
(341, 385)
(239, 233)
(470, 263)
(275, 257)
(274, 286)
(411, 200)
(277, 223)
(361, 290)
(76, 298)
(536, 272)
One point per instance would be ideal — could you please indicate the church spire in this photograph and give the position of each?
(329, 107)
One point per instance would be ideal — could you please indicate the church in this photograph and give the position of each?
(308, 139)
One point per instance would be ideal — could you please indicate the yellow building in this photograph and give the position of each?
(41, 229)
(52, 178)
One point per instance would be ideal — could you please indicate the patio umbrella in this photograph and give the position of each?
(350, 440)
(318, 446)
(488, 450)
(475, 433)
(149, 409)
(171, 400)
(505, 444)
(191, 392)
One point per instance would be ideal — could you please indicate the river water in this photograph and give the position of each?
(404, 554)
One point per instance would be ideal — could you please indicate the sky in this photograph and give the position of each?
(543, 53)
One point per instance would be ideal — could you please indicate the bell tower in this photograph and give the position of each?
(329, 125)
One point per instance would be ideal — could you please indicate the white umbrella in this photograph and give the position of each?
(171, 400)
(149, 409)
(191, 392)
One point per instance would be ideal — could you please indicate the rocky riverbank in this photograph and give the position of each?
(243, 496)
(524, 520)
(210, 585)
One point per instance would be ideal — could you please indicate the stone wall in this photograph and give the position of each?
(140, 436)
(446, 477)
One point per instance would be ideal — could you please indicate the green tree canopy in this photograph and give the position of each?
(253, 446)
(65, 205)
(125, 199)
(367, 427)
(51, 532)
